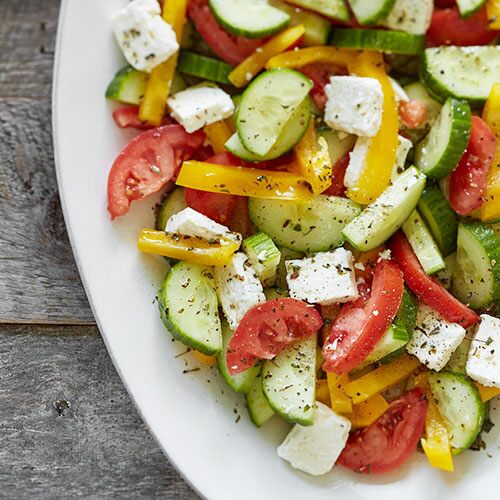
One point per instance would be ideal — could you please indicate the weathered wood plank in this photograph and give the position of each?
(39, 281)
(67, 426)
(27, 38)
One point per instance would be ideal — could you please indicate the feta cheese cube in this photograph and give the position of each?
(434, 340)
(357, 159)
(404, 147)
(354, 105)
(198, 106)
(238, 288)
(316, 448)
(483, 362)
(189, 222)
(145, 38)
(410, 16)
(326, 278)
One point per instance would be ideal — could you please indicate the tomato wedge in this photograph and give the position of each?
(468, 180)
(147, 163)
(362, 323)
(428, 289)
(230, 48)
(338, 173)
(391, 440)
(267, 329)
(128, 117)
(448, 28)
(412, 113)
(320, 76)
(218, 206)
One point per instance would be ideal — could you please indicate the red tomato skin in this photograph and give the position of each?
(391, 440)
(468, 180)
(320, 76)
(362, 323)
(413, 113)
(267, 329)
(338, 173)
(427, 288)
(230, 48)
(128, 117)
(448, 28)
(147, 163)
(218, 206)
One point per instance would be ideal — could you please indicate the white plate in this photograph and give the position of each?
(191, 415)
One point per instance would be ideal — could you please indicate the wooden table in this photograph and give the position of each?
(67, 426)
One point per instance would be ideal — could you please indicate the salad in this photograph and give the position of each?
(331, 182)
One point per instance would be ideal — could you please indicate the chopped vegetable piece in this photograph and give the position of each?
(218, 134)
(339, 401)
(367, 412)
(312, 55)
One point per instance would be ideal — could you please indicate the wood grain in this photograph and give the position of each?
(68, 428)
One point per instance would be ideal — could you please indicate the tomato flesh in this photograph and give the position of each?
(218, 206)
(148, 163)
(362, 323)
(230, 48)
(338, 173)
(427, 288)
(128, 117)
(448, 28)
(267, 329)
(413, 113)
(320, 76)
(391, 440)
(468, 180)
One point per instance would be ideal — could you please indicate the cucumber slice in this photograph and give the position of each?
(258, 408)
(440, 218)
(337, 146)
(395, 42)
(275, 293)
(439, 153)
(317, 28)
(461, 72)
(387, 213)
(195, 323)
(460, 405)
(128, 86)
(289, 382)
(398, 334)
(333, 9)
(458, 360)
(370, 12)
(469, 7)
(423, 244)
(290, 136)
(446, 275)
(206, 68)
(252, 19)
(315, 226)
(418, 92)
(171, 204)
(264, 257)
(266, 107)
(241, 382)
(476, 280)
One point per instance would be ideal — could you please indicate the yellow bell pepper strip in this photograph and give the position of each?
(381, 378)
(490, 209)
(186, 247)
(204, 359)
(153, 104)
(339, 401)
(493, 14)
(218, 133)
(322, 392)
(487, 393)
(313, 160)
(244, 72)
(381, 153)
(436, 444)
(365, 413)
(243, 181)
(312, 55)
